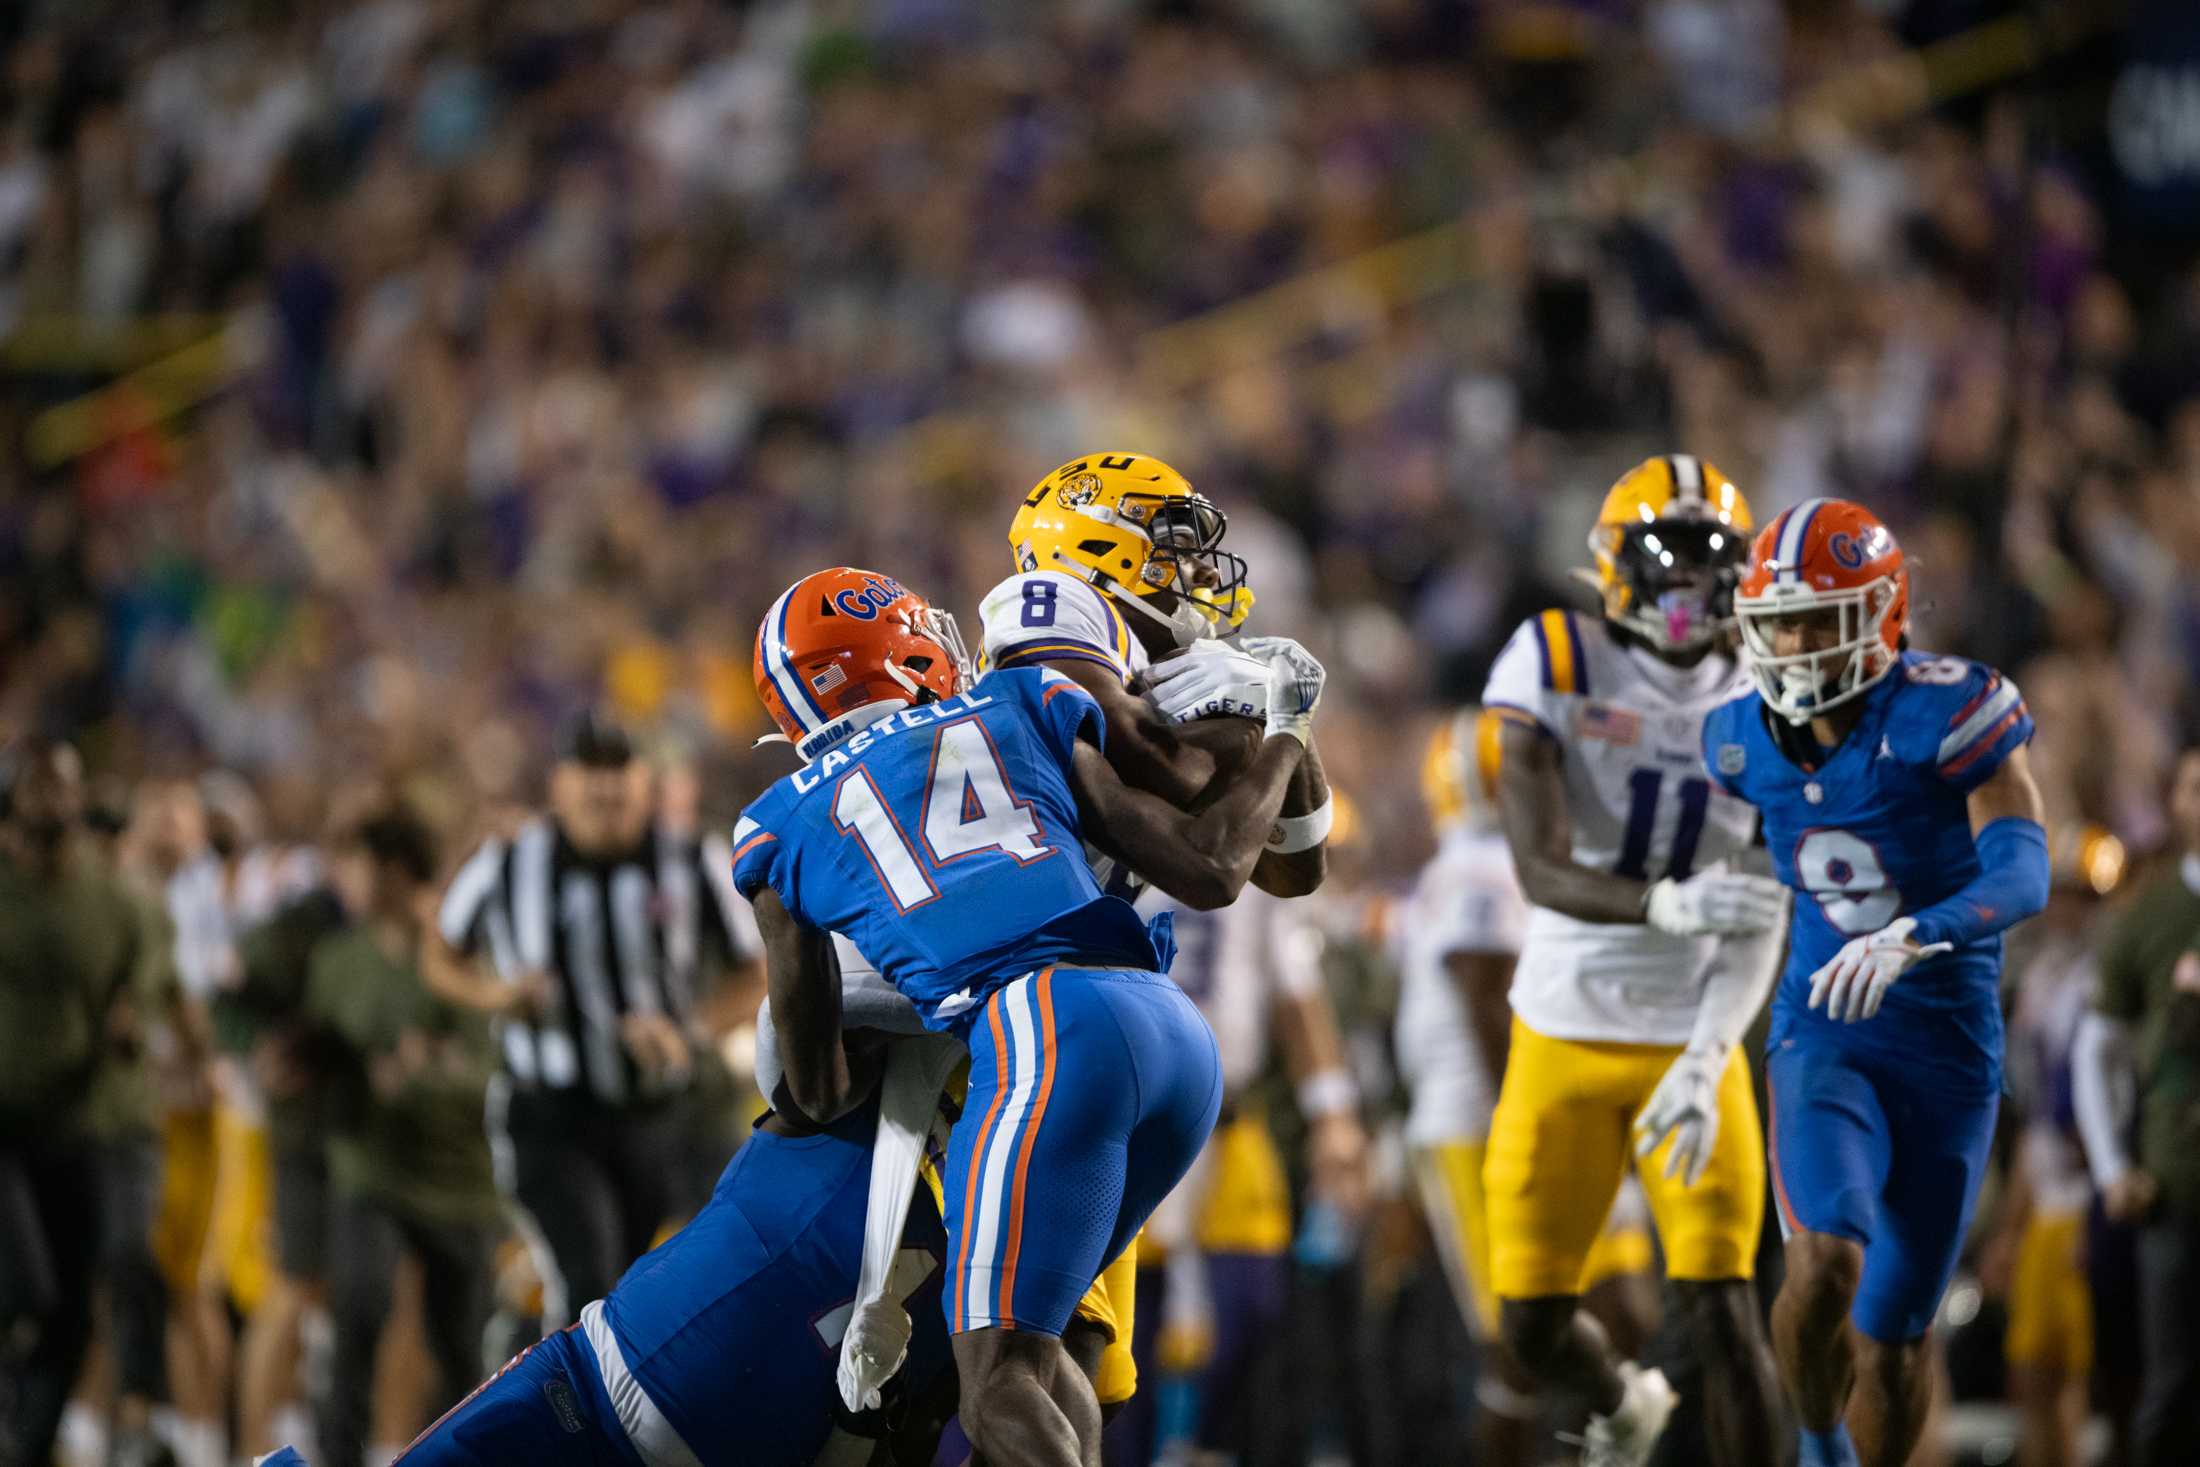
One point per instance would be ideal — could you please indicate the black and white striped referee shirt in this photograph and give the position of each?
(631, 933)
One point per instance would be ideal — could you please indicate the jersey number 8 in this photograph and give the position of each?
(1843, 872)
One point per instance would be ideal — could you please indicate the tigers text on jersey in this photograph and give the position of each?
(1631, 727)
(1234, 962)
(1053, 616)
(1879, 829)
(1466, 900)
(944, 842)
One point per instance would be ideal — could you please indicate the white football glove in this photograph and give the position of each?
(872, 1351)
(1855, 982)
(1210, 680)
(1714, 900)
(1295, 681)
(1685, 1106)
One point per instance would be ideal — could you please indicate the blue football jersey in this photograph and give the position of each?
(944, 842)
(1881, 829)
(733, 1326)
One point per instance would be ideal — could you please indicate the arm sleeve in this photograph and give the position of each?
(465, 909)
(1539, 669)
(1739, 983)
(2100, 1065)
(1052, 616)
(1987, 725)
(2011, 885)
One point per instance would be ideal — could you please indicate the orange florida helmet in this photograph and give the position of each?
(1830, 559)
(842, 648)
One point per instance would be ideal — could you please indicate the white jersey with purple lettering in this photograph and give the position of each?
(1630, 726)
(1053, 616)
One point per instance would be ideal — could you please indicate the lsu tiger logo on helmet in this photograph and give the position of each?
(1137, 531)
(842, 648)
(1669, 545)
(1824, 607)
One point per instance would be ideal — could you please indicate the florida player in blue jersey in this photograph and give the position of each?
(1898, 803)
(941, 830)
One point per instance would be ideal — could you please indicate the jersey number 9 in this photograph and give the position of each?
(1844, 873)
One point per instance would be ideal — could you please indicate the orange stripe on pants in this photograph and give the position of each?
(1004, 1310)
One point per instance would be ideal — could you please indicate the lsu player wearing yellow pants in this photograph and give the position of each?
(1644, 961)
(1462, 928)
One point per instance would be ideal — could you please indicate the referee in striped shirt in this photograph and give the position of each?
(592, 933)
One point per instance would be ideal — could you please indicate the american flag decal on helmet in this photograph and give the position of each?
(831, 678)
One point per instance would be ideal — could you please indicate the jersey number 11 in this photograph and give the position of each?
(1643, 788)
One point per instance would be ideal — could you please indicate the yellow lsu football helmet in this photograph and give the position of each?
(1459, 770)
(1135, 528)
(1670, 544)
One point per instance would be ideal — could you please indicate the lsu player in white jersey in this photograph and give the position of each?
(1122, 584)
(1461, 930)
(1213, 1261)
(1645, 959)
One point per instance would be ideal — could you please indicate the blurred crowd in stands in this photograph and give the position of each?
(388, 378)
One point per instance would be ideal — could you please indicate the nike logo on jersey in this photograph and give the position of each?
(1886, 747)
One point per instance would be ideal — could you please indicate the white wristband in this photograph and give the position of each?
(1294, 833)
(1327, 1093)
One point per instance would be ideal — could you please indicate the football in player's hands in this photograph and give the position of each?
(1715, 900)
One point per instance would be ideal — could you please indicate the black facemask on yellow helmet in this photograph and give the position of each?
(1135, 529)
(1670, 544)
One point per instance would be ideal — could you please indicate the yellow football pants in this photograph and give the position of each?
(1560, 1142)
(1448, 1176)
(2050, 1302)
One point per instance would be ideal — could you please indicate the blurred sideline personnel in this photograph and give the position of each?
(408, 1164)
(1462, 930)
(1214, 1264)
(125, 1108)
(2036, 1258)
(202, 838)
(265, 1018)
(2144, 1033)
(1899, 805)
(591, 934)
(69, 954)
(1646, 958)
(997, 929)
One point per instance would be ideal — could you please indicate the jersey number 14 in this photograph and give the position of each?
(968, 808)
